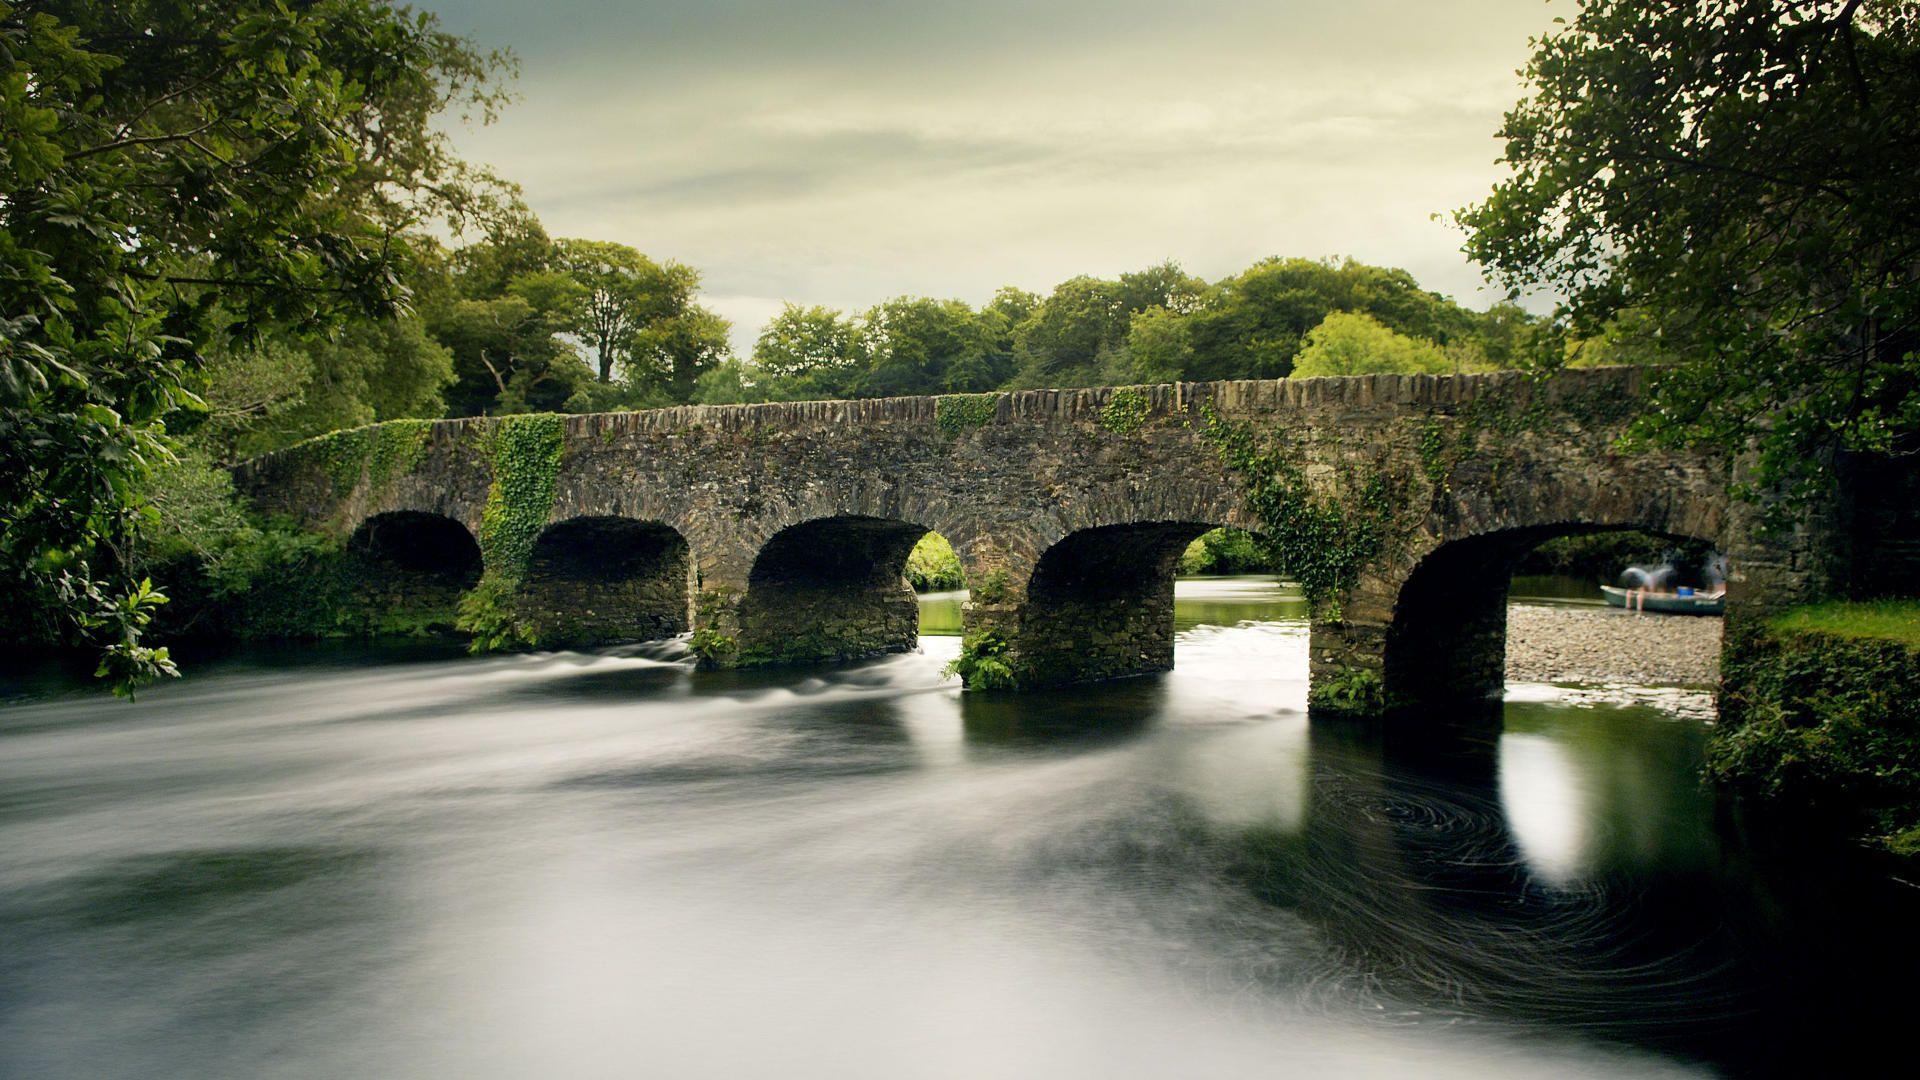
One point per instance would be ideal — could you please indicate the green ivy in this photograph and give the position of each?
(982, 663)
(525, 454)
(1126, 410)
(378, 454)
(1320, 540)
(958, 413)
(398, 446)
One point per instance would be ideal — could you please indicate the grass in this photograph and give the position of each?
(1890, 620)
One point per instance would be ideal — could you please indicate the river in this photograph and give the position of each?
(404, 862)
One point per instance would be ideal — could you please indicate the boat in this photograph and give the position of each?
(1667, 603)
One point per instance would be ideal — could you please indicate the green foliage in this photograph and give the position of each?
(1350, 343)
(1352, 691)
(807, 343)
(991, 589)
(1728, 187)
(1320, 540)
(1078, 334)
(933, 566)
(488, 616)
(378, 454)
(174, 174)
(525, 453)
(1822, 725)
(712, 647)
(278, 391)
(1125, 411)
(629, 303)
(959, 413)
(982, 663)
(1226, 551)
(520, 306)
(1253, 325)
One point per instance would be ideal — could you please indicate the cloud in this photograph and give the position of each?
(844, 152)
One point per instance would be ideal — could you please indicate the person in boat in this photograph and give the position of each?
(1689, 582)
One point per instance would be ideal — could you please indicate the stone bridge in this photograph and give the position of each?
(778, 533)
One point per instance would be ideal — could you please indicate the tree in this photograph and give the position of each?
(912, 344)
(509, 352)
(1350, 343)
(1253, 325)
(625, 293)
(671, 353)
(1733, 181)
(269, 394)
(813, 350)
(174, 169)
(1159, 347)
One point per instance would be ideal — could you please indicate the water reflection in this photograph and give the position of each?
(591, 864)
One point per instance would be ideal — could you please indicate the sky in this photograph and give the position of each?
(841, 152)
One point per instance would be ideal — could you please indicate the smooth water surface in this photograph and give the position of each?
(377, 863)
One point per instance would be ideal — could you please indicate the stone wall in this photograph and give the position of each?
(1019, 481)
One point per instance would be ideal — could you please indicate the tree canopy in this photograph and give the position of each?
(1355, 343)
(1728, 187)
(176, 172)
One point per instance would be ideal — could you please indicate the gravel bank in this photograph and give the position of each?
(1606, 645)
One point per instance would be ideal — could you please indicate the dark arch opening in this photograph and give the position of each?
(1100, 603)
(409, 571)
(1447, 642)
(603, 580)
(428, 545)
(831, 589)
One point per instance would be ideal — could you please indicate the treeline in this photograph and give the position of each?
(520, 322)
(1280, 317)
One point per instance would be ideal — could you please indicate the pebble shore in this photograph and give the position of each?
(1607, 645)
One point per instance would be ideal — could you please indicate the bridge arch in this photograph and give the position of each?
(1099, 603)
(599, 579)
(830, 588)
(412, 567)
(1446, 638)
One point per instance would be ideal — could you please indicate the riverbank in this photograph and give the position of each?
(1820, 718)
(1575, 645)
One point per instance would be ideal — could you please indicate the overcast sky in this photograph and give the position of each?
(843, 151)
